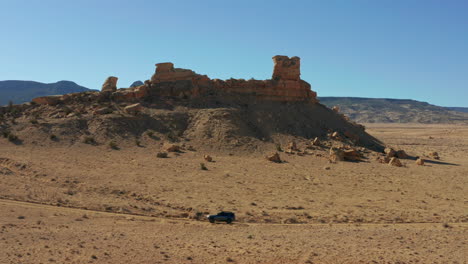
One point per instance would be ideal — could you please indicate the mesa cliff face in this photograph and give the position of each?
(170, 82)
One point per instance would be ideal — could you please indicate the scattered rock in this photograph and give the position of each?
(336, 109)
(395, 162)
(110, 85)
(292, 147)
(401, 154)
(434, 155)
(103, 111)
(316, 142)
(420, 161)
(274, 158)
(133, 109)
(383, 159)
(208, 158)
(390, 152)
(351, 155)
(336, 154)
(161, 155)
(172, 148)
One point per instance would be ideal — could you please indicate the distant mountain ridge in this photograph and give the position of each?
(383, 110)
(24, 91)
(458, 109)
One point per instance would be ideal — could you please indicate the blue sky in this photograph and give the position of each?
(416, 49)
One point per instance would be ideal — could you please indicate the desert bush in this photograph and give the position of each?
(89, 140)
(113, 145)
(12, 137)
(53, 137)
(278, 148)
(34, 121)
(203, 167)
(150, 133)
(161, 155)
(138, 142)
(5, 134)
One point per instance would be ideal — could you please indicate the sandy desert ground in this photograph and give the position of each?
(91, 204)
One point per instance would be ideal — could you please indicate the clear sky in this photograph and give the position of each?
(413, 49)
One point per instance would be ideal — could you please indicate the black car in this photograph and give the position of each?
(227, 217)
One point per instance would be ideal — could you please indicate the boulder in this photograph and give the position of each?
(316, 142)
(172, 148)
(434, 155)
(401, 154)
(274, 158)
(208, 158)
(110, 85)
(336, 109)
(336, 154)
(133, 109)
(351, 155)
(420, 161)
(390, 152)
(335, 135)
(292, 147)
(395, 162)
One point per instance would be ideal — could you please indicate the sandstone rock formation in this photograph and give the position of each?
(133, 109)
(110, 85)
(47, 100)
(286, 68)
(170, 82)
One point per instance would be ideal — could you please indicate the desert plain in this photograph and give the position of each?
(82, 203)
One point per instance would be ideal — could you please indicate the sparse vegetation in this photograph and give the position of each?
(203, 167)
(34, 121)
(278, 148)
(161, 155)
(89, 140)
(12, 137)
(53, 137)
(137, 142)
(150, 133)
(113, 145)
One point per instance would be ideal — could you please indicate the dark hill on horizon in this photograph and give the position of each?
(384, 110)
(24, 91)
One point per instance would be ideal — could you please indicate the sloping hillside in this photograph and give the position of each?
(381, 110)
(23, 91)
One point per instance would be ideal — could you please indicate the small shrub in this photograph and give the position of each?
(150, 133)
(12, 137)
(203, 167)
(113, 145)
(138, 142)
(53, 137)
(34, 121)
(5, 134)
(278, 148)
(89, 140)
(446, 225)
(162, 155)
